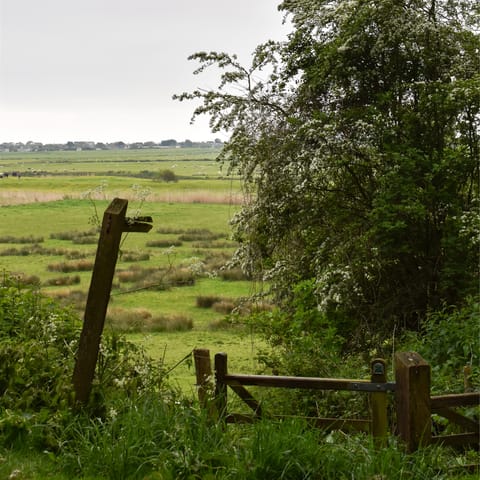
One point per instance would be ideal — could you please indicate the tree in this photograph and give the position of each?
(360, 148)
(168, 143)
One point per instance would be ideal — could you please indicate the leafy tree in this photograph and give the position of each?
(358, 142)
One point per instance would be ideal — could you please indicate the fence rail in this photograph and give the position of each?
(413, 405)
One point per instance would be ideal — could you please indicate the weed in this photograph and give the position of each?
(233, 274)
(63, 281)
(74, 236)
(207, 301)
(81, 265)
(142, 320)
(224, 306)
(195, 235)
(134, 256)
(29, 239)
(164, 243)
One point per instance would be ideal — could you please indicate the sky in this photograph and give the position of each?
(106, 70)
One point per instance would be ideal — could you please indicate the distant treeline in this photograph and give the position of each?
(74, 146)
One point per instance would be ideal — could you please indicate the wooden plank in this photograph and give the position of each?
(466, 423)
(379, 403)
(455, 400)
(240, 418)
(312, 383)
(98, 298)
(458, 440)
(203, 371)
(221, 369)
(246, 396)
(412, 399)
(346, 424)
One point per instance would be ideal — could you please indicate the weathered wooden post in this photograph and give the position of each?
(221, 370)
(203, 371)
(412, 395)
(113, 225)
(379, 403)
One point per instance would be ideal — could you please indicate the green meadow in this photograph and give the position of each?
(173, 290)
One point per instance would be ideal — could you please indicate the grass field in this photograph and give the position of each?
(184, 162)
(47, 235)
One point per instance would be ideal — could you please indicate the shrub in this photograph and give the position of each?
(24, 279)
(86, 240)
(70, 298)
(74, 235)
(81, 265)
(233, 274)
(180, 277)
(167, 176)
(38, 343)
(201, 234)
(30, 239)
(164, 243)
(134, 256)
(142, 320)
(77, 255)
(170, 231)
(449, 341)
(224, 306)
(65, 280)
(207, 301)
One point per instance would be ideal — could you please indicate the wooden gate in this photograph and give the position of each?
(414, 404)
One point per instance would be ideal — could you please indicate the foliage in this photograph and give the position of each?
(302, 329)
(167, 176)
(38, 343)
(449, 341)
(358, 143)
(157, 438)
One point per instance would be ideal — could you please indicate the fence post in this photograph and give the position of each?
(113, 225)
(379, 404)
(412, 395)
(203, 370)
(220, 386)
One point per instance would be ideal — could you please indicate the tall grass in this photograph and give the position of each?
(142, 320)
(162, 439)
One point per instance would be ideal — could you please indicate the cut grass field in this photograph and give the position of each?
(159, 276)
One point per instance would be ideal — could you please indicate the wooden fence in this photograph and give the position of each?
(413, 403)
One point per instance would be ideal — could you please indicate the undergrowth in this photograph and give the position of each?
(136, 426)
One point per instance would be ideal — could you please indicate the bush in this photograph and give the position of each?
(66, 280)
(82, 265)
(449, 341)
(207, 301)
(30, 239)
(233, 274)
(38, 344)
(164, 243)
(75, 236)
(142, 320)
(167, 176)
(200, 234)
(134, 256)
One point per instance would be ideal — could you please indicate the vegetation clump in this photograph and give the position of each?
(358, 152)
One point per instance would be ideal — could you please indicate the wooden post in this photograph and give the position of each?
(203, 370)
(113, 225)
(221, 370)
(379, 404)
(412, 395)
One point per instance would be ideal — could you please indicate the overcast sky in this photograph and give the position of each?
(106, 70)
